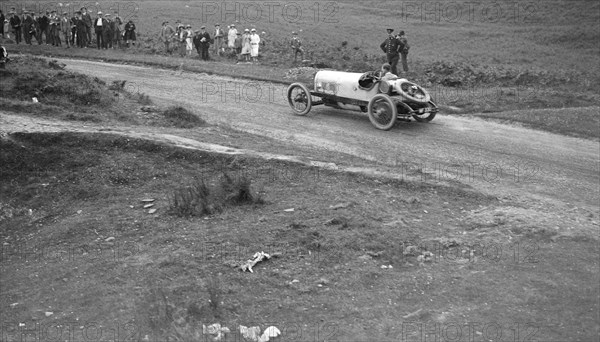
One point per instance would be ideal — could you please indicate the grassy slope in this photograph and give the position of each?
(160, 271)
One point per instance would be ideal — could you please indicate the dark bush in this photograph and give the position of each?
(182, 118)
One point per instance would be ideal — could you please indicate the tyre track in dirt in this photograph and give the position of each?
(498, 159)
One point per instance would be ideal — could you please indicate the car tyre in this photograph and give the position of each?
(382, 112)
(400, 88)
(428, 116)
(299, 98)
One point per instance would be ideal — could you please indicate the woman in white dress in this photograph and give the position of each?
(254, 44)
(246, 47)
(231, 35)
(189, 35)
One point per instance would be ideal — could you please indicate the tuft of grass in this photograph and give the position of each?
(193, 200)
(182, 118)
(199, 199)
(143, 99)
(117, 85)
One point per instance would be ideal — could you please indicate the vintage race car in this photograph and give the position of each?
(384, 100)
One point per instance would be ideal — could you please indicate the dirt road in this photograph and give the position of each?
(503, 160)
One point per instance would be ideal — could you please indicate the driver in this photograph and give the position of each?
(386, 74)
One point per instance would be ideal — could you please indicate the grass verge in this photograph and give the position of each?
(72, 214)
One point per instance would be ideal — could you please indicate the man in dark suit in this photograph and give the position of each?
(116, 27)
(204, 39)
(35, 28)
(27, 28)
(403, 49)
(15, 23)
(390, 46)
(44, 22)
(87, 20)
(81, 28)
(107, 33)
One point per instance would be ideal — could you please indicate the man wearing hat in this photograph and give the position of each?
(65, 28)
(403, 49)
(99, 28)
(27, 26)
(54, 29)
(117, 22)
(107, 32)
(390, 46)
(34, 30)
(204, 39)
(15, 24)
(82, 36)
(296, 45)
(166, 34)
(87, 20)
(231, 35)
(218, 39)
(43, 22)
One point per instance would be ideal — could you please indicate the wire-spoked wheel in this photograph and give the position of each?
(382, 112)
(299, 98)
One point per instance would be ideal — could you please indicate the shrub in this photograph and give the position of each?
(192, 200)
(198, 199)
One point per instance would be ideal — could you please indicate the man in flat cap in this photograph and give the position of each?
(204, 43)
(390, 46)
(116, 27)
(166, 34)
(54, 29)
(28, 27)
(34, 30)
(65, 28)
(107, 32)
(82, 31)
(403, 49)
(15, 24)
(99, 28)
(87, 19)
(296, 45)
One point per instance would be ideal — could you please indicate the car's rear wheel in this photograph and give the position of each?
(299, 98)
(428, 113)
(382, 112)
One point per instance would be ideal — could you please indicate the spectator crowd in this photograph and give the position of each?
(78, 30)
(110, 32)
(106, 31)
(182, 39)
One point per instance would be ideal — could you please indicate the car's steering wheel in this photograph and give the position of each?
(377, 74)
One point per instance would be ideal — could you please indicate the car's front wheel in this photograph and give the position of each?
(382, 112)
(299, 98)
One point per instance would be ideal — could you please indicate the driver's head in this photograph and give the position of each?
(386, 67)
